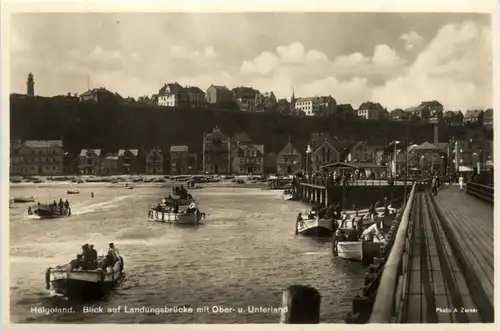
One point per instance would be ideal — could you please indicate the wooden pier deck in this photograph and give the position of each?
(440, 268)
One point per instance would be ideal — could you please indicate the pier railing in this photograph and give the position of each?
(390, 290)
(321, 181)
(480, 191)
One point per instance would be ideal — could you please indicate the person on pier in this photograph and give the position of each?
(461, 182)
(371, 232)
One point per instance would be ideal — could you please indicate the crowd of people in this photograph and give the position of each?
(88, 259)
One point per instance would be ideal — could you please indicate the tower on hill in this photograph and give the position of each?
(31, 85)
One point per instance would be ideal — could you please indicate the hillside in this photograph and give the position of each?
(110, 127)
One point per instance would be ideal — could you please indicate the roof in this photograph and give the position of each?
(282, 102)
(193, 89)
(345, 106)
(289, 149)
(370, 105)
(43, 143)
(315, 150)
(425, 147)
(220, 87)
(84, 152)
(488, 113)
(179, 148)
(241, 137)
(473, 113)
(216, 133)
(121, 152)
(174, 88)
(259, 148)
(241, 90)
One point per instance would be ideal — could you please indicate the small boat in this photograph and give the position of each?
(80, 181)
(84, 284)
(287, 195)
(166, 216)
(23, 200)
(317, 227)
(73, 192)
(129, 187)
(44, 211)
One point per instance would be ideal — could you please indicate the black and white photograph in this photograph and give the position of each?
(249, 167)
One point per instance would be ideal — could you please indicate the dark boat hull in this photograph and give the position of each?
(82, 290)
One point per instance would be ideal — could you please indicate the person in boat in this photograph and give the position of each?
(176, 208)
(66, 204)
(30, 212)
(158, 207)
(371, 232)
(169, 197)
(54, 206)
(108, 261)
(191, 208)
(86, 263)
(189, 196)
(76, 263)
(114, 252)
(93, 256)
(353, 235)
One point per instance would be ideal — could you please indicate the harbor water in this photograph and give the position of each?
(243, 256)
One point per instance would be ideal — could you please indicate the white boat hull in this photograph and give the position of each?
(287, 197)
(350, 250)
(315, 227)
(176, 218)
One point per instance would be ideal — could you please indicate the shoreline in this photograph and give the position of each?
(121, 185)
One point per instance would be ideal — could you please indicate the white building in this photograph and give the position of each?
(310, 106)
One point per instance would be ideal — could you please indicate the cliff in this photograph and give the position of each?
(112, 126)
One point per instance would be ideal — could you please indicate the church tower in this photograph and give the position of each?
(31, 85)
(292, 100)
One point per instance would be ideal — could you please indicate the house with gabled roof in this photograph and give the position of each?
(181, 161)
(216, 152)
(154, 161)
(89, 161)
(38, 157)
(322, 150)
(128, 161)
(246, 156)
(172, 95)
(289, 160)
(101, 95)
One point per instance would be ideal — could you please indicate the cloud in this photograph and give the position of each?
(455, 67)
(412, 40)
(17, 44)
(181, 52)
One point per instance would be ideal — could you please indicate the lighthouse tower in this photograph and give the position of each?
(31, 85)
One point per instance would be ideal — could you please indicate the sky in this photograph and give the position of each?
(397, 59)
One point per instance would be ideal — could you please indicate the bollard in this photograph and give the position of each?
(360, 304)
(302, 305)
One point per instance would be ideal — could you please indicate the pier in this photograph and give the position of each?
(361, 193)
(439, 265)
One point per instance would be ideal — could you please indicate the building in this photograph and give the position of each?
(154, 161)
(399, 114)
(346, 111)
(473, 117)
(476, 149)
(488, 119)
(30, 85)
(128, 161)
(283, 107)
(89, 161)
(195, 97)
(372, 111)
(265, 102)
(181, 161)
(327, 106)
(101, 95)
(220, 96)
(452, 118)
(246, 157)
(362, 152)
(289, 160)
(110, 164)
(270, 162)
(172, 95)
(216, 152)
(310, 106)
(322, 150)
(245, 97)
(38, 157)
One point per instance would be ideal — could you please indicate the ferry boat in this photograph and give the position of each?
(73, 192)
(83, 284)
(44, 211)
(176, 201)
(23, 199)
(317, 227)
(182, 217)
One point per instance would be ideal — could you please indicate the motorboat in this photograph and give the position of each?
(73, 191)
(287, 195)
(84, 284)
(23, 199)
(314, 226)
(44, 211)
(167, 215)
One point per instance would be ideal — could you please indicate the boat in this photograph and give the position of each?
(23, 200)
(11, 202)
(83, 284)
(44, 211)
(183, 217)
(176, 201)
(73, 192)
(287, 195)
(317, 227)
(129, 187)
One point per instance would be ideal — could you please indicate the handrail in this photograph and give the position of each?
(385, 300)
(480, 191)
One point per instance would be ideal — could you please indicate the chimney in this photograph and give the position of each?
(436, 134)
